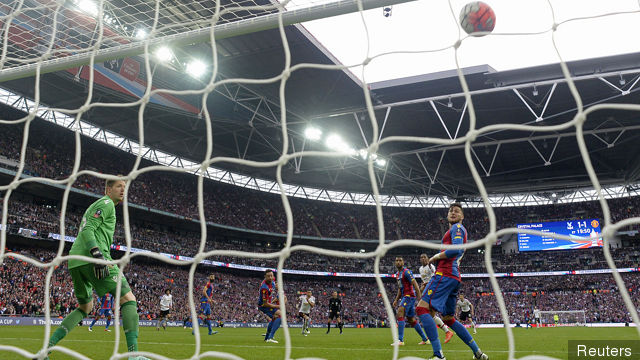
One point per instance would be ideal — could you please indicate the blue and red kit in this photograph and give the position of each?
(442, 290)
(205, 307)
(266, 296)
(405, 284)
(106, 303)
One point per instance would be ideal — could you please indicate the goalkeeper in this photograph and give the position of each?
(94, 240)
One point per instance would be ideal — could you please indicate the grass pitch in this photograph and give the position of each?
(360, 344)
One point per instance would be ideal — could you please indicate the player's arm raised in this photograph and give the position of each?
(311, 301)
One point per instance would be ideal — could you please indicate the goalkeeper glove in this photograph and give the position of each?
(100, 271)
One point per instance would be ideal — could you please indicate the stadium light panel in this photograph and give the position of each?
(335, 143)
(196, 68)
(381, 162)
(88, 7)
(141, 34)
(363, 154)
(164, 54)
(313, 133)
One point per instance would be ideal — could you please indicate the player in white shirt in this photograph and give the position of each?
(307, 301)
(464, 308)
(536, 316)
(426, 273)
(166, 303)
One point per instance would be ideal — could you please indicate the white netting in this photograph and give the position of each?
(565, 317)
(163, 20)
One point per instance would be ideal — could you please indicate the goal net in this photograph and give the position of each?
(565, 318)
(83, 36)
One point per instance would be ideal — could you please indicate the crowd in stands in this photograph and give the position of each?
(50, 153)
(44, 218)
(235, 295)
(51, 150)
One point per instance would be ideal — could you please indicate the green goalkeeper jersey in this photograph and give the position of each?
(97, 228)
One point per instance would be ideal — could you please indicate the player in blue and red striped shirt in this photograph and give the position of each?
(268, 304)
(407, 290)
(442, 290)
(205, 303)
(106, 303)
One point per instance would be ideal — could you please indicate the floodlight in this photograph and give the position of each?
(335, 142)
(363, 154)
(535, 90)
(164, 54)
(554, 195)
(313, 133)
(381, 162)
(140, 34)
(196, 68)
(88, 7)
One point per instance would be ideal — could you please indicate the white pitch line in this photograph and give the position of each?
(293, 347)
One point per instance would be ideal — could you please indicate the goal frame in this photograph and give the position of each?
(580, 315)
(220, 31)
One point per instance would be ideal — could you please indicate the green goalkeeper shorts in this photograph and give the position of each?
(84, 281)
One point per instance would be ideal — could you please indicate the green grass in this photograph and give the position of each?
(360, 344)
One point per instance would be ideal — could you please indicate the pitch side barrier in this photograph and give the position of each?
(40, 321)
(53, 236)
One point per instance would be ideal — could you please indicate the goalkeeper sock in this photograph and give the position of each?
(68, 323)
(93, 323)
(108, 322)
(463, 334)
(274, 328)
(130, 319)
(328, 326)
(401, 324)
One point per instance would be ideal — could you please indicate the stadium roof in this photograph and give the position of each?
(246, 119)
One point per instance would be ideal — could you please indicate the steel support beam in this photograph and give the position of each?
(481, 92)
(517, 140)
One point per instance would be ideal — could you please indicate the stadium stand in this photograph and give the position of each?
(22, 292)
(49, 154)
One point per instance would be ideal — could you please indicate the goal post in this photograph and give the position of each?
(565, 318)
(221, 31)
